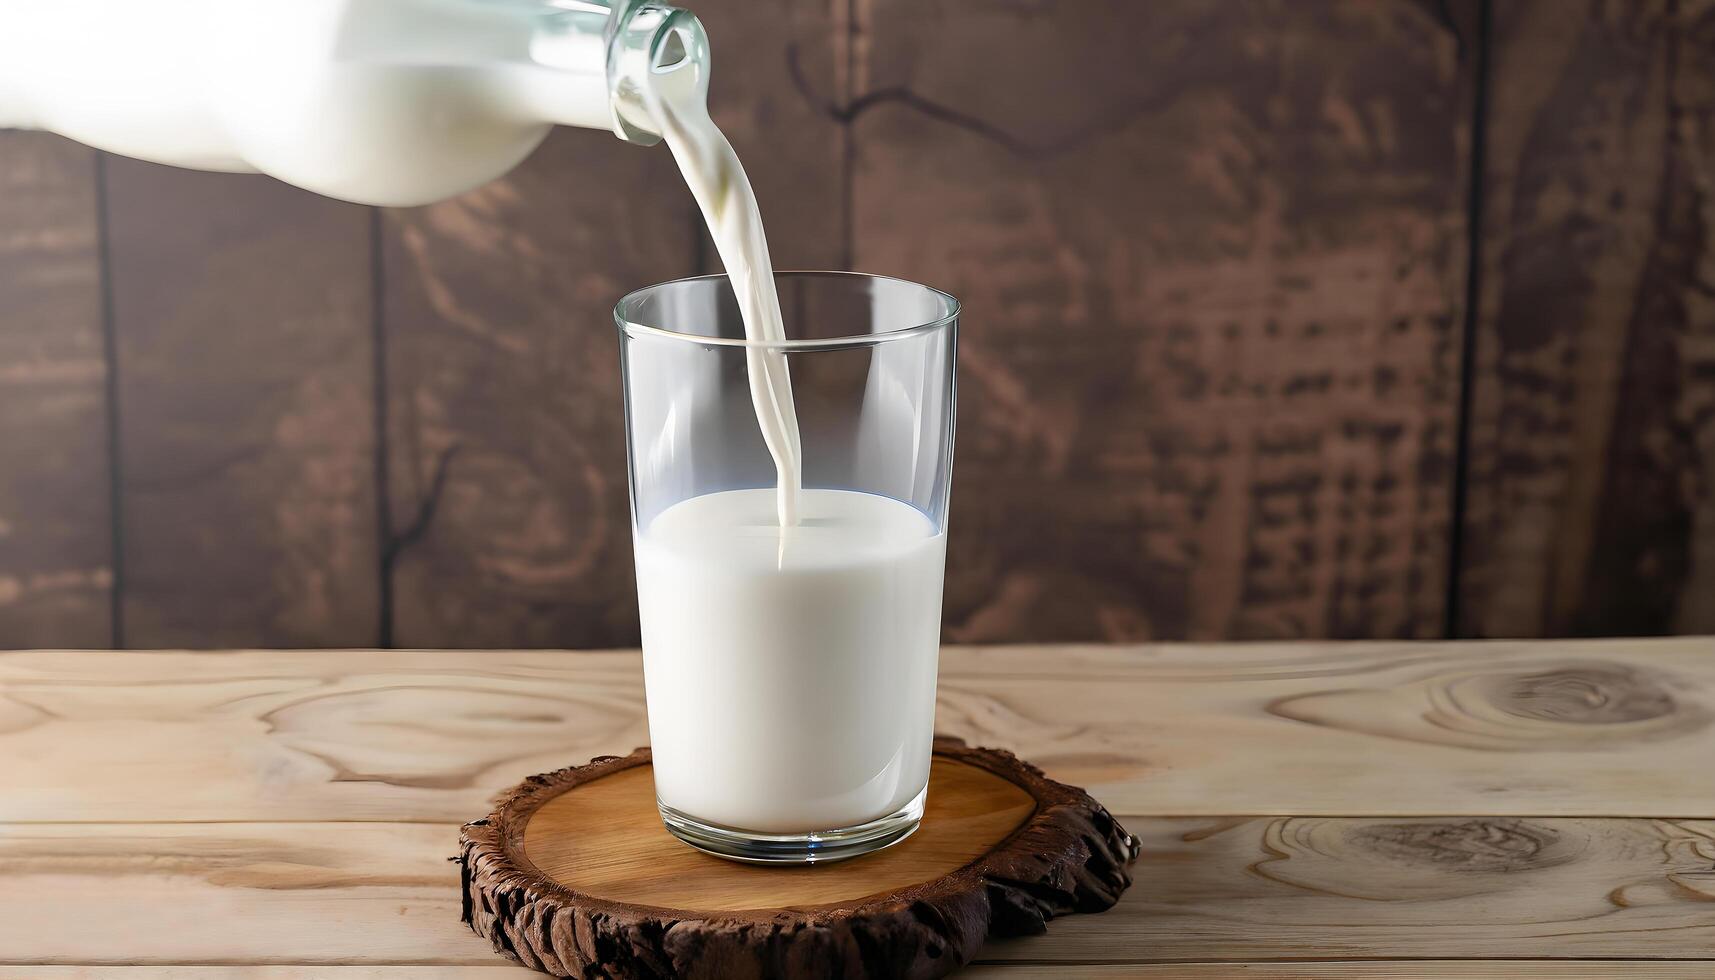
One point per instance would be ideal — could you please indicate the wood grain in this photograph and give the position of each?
(496, 971)
(572, 875)
(1419, 886)
(309, 893)
(501, 971)
(1416, 969)
(1594, 728)
(1243, 889)
(55, 542)
(307, 786)
(1213, 264)
(241, 313)
(1592, 459)
(605, 839)
(506, 441)
(1211, 257)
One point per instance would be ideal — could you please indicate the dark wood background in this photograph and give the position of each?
(1283, 319)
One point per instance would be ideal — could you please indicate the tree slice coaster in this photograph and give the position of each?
(574, 875)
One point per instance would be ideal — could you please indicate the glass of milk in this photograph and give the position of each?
(790, 670)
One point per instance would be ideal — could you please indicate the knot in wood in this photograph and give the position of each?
(1482, 845)
(1586, 696)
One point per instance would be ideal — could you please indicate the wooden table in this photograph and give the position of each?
(1315, 810)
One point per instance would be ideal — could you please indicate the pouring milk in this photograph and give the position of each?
(396, 102)
(678, 103)
(790, 635)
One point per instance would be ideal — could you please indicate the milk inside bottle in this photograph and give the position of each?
(390, 102)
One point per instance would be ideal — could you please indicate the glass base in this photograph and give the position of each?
(820, 847)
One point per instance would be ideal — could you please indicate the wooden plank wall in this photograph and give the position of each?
(1212, 259)
(56, 555)
(1220, 377)
(241, 313)
(1592, 450)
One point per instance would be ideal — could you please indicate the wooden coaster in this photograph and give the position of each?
(574, 875)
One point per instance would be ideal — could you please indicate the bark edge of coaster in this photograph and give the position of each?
(1055, 850)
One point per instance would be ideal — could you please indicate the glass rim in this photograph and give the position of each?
(949, 304)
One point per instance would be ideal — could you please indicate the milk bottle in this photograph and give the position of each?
(397, 102)
(389, 102)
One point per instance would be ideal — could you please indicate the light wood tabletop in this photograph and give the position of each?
(1513, 809)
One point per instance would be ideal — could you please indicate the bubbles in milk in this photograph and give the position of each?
(723, 193)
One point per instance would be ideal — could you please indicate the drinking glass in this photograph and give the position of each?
(790, 672)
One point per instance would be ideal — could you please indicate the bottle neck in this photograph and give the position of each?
(590, 61)
(651, 44)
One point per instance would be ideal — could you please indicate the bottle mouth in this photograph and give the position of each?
(652, 44)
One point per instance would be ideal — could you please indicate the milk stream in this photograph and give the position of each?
(718, 182)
